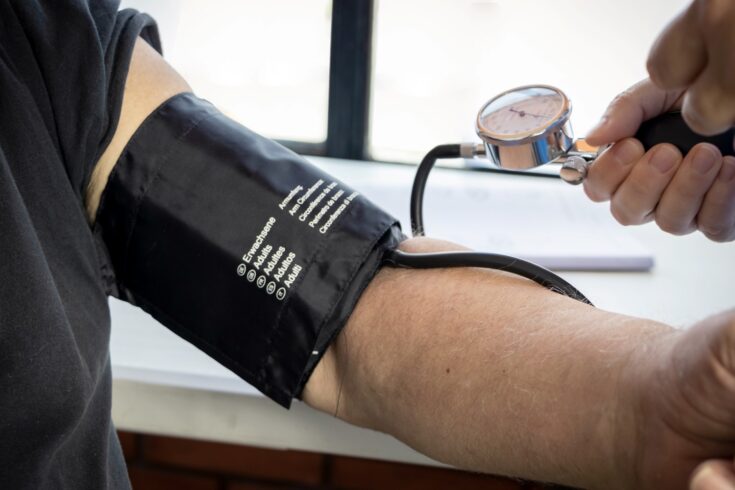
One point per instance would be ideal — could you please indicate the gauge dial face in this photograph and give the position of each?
(522, 112)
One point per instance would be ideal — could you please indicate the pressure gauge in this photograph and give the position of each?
(523, 113)
(526, 127)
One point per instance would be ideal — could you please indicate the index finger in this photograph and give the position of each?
(628, 110)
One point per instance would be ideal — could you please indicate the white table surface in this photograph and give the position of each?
(164, 385)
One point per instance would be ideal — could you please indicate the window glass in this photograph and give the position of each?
(437, 61)
(266, 64)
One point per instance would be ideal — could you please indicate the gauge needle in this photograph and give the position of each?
(524, 113)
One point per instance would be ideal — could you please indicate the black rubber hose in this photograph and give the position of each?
(529, 270)
(664, 128)
(419, 184)
(515, 265)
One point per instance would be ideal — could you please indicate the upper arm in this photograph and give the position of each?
(150, 82)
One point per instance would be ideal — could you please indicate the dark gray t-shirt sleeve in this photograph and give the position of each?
(63, 65)
(73, 56)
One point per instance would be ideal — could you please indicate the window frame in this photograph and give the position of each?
(350, 66)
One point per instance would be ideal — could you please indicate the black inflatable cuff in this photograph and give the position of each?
(237, 244)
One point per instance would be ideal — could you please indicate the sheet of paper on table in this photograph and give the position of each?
(538, 219)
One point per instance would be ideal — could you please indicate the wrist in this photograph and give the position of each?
(637, 423)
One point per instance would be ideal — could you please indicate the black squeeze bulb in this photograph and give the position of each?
(671, 128)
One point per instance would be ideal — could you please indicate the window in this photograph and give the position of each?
(265, 64)
(389, 80)
(437, 61)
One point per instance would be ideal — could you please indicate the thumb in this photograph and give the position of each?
(628, 110)
(714, 474)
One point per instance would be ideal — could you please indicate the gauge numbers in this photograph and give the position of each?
(522, 112)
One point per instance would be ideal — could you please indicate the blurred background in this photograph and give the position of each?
(388, 80)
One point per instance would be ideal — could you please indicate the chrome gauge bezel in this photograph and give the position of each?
(557, 121)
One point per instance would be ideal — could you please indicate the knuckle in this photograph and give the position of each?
(672, 226)
(706, 112)
(689, 193)
(639, 188)
(653, 67)
(626, 214)
(711, 228)
(717, 237)
(624, 98)
(716, 233)
(625, 152)
(595, 192)
(657, 68)
(697, 104)
(621, 214)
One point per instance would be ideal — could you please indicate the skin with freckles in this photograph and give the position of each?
(539, 386)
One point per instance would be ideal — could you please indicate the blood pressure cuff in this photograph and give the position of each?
(237, 244)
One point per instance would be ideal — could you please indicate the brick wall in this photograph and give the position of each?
(157, 463)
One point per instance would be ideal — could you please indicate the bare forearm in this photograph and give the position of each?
(486, 371)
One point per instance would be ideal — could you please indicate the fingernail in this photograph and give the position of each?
(714, 480)
(705, 158)
(664, 158)
(727, 172)
(701, 477)
(626, 151)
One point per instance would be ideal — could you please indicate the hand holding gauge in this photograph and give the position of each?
(682, 187)
(529, 126)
